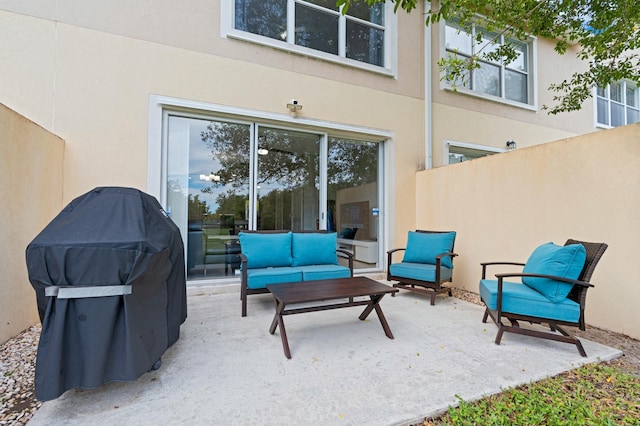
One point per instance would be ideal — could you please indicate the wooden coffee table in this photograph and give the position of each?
(326, 291)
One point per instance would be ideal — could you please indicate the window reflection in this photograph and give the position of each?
(288, 179)
(352, 198)
(211, 206)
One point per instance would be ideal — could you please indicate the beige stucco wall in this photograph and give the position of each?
(485, 129)
(505, 205)
(95, 88)
(31, 188)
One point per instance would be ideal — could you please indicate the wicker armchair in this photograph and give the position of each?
(505, 300)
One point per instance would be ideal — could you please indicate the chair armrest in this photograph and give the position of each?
(551, 277)
(390, 255)
(243, 269)
(440, 256)
(348, 255)
(485, 264)
(395, 250)
(449, 254)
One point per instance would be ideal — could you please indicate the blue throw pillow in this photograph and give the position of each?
(265, 250)
(551, 259)
(314, 249)
(423, 247)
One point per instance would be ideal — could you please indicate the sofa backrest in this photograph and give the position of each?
(265, 250)
(277, 248)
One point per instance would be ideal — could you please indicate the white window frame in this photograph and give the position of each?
(227, 30)
(157, 150)
(532, 86)
(607, 98)
(449, 143)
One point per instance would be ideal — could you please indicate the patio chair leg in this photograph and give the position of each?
(486, 315)
(433, 297)
(499, 335)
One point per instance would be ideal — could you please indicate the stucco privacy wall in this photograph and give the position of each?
(31, 188)
(97, 86)
(503, 206)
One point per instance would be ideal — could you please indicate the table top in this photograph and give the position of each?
(314, 291)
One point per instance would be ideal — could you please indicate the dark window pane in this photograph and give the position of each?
(374, 14)
(328, 4)
(265, 18)
(516, 86)
(459, 154)
(365, 44)
(316, 30)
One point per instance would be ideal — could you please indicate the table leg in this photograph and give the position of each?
(279, 322)
(375, 304)
(274, 323)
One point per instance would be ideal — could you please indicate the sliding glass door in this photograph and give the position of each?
(287, 182)
(224, 176)
(354, 194)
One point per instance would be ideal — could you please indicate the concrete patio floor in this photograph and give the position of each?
(229, 370)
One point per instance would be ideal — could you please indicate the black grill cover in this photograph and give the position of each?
(111, 237)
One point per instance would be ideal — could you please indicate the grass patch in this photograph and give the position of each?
(594, 394)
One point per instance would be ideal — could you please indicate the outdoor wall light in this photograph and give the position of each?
(263, 151)
(511, 145)
(294, 106)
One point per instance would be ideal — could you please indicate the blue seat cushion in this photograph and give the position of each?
(551, 259)
(314, 249)
(266, 250)
(419, 271)
(520, 299)
(260, 278)
(324, 272)
(423, 247)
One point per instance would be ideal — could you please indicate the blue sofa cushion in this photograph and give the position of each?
(259, 278)
(551, 259)
(419, 271)
(314, 249)
(324, 272)
(266, 250)
(520, 299)
(424, 247)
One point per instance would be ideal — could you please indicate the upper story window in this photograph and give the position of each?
(617, 104)
(511, 83)
(317, 28)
